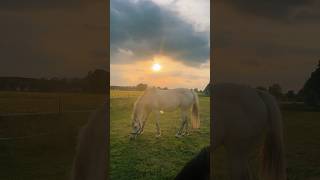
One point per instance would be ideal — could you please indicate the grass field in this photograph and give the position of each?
(25, 102)
(49, 156)
(147, 157)
(124, 94)
(47, 149)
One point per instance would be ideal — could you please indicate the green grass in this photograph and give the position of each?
(30, 102)
(147, 157)
(302, 139)
(49, 154)
(124, 94)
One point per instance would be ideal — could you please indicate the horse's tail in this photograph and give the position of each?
(195, 118)
(273, 158)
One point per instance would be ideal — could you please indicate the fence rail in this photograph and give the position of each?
(44, 113)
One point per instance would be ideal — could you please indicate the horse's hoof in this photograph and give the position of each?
(158, 135)
(132, 137)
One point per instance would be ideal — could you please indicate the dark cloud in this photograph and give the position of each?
(280, 9)
(43, 4)
(57, 42)
(146, 29)
(261, 43)
(222, 40)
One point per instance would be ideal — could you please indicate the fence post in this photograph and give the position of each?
(60, 107)
(59, 103)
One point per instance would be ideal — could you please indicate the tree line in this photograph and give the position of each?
(94, 82)
(309, 93)
(97, 82)
(138, 87)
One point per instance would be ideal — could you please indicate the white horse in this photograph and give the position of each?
(241, 116)
(156, 100)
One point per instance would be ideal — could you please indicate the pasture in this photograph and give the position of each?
(48, 149)
(41, 146)
(148, 157)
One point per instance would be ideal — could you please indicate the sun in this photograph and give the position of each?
(156, 67)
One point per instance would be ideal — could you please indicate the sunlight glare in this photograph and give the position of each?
(156, 67)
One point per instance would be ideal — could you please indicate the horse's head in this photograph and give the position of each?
(136, 128)
(137, 119)
(141, 111)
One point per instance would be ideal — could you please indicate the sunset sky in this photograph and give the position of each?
(256, 42)
(172, 34)
(260, 42)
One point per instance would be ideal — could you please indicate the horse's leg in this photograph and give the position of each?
(186, 126)
(238, 158)
(183, 122)
(157, 113)
(144, 122)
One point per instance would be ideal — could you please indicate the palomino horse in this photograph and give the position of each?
(241, 116)
(157, 100)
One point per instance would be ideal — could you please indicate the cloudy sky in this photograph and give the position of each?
(172, 33)
(260, 42)
(256, 42)
(47, 38)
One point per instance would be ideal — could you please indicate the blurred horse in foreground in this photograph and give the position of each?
(91, 158)
(242, 117)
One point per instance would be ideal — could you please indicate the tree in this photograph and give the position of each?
(290, 95)
(311, 89)
(275, 90)
(262, 88)
(207, 90)
(97, 81)
(142, 87)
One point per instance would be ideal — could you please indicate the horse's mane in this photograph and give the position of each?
(139, 100)
(135, 106)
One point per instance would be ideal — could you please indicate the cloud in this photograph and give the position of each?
(146, 29)
(261, 48)
(271, 8)
(44, 4)
(52, 42)
(195, 12)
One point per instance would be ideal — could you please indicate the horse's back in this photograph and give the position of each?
(177, 91)
(239, 113)
(170, 99)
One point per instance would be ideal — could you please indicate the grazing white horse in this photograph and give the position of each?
(157, 100)
(241, 116)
